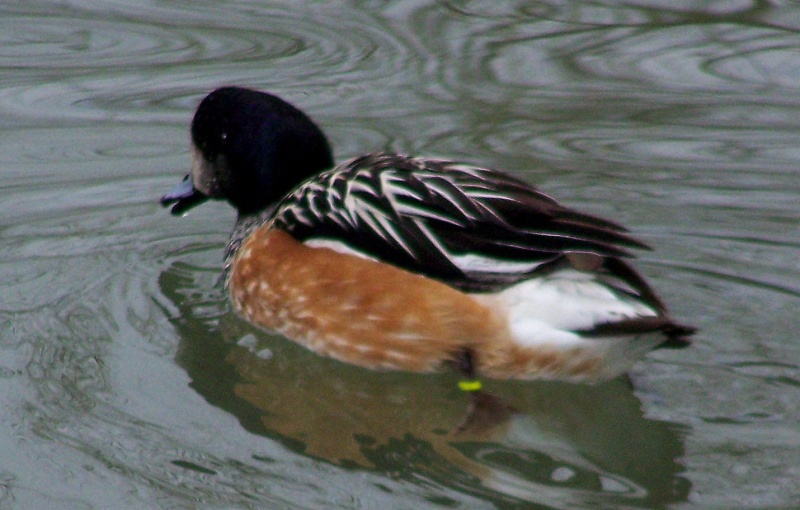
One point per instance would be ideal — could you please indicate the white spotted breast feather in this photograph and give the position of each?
(476, 229)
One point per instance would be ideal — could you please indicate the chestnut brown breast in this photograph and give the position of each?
(355, 309)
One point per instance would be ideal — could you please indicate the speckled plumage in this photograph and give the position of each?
(393, 262)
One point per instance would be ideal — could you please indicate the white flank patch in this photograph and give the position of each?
(337, 246)
(550, 308)
(478, 263)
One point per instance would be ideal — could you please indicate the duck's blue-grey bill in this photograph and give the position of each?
(183, 197)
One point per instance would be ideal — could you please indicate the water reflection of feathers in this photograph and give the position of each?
(560, 449)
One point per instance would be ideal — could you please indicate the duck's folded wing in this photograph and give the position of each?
(473, 228)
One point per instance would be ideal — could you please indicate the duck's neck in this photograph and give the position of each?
(245, 225)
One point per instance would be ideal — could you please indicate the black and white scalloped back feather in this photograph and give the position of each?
(473, 228)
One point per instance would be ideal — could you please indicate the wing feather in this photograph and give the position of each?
(438, 218)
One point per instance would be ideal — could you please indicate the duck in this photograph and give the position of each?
(395, 262)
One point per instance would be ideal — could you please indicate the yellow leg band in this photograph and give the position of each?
(470, 385)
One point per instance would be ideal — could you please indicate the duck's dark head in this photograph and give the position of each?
(249, 148)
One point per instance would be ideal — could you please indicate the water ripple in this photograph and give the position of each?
(120, 367)
(133, 54)
(70, 43)
(32, 153)
(579, 53)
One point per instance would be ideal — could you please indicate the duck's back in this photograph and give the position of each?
(395, 262)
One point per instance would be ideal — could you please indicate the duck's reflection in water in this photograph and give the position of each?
(566, 445)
